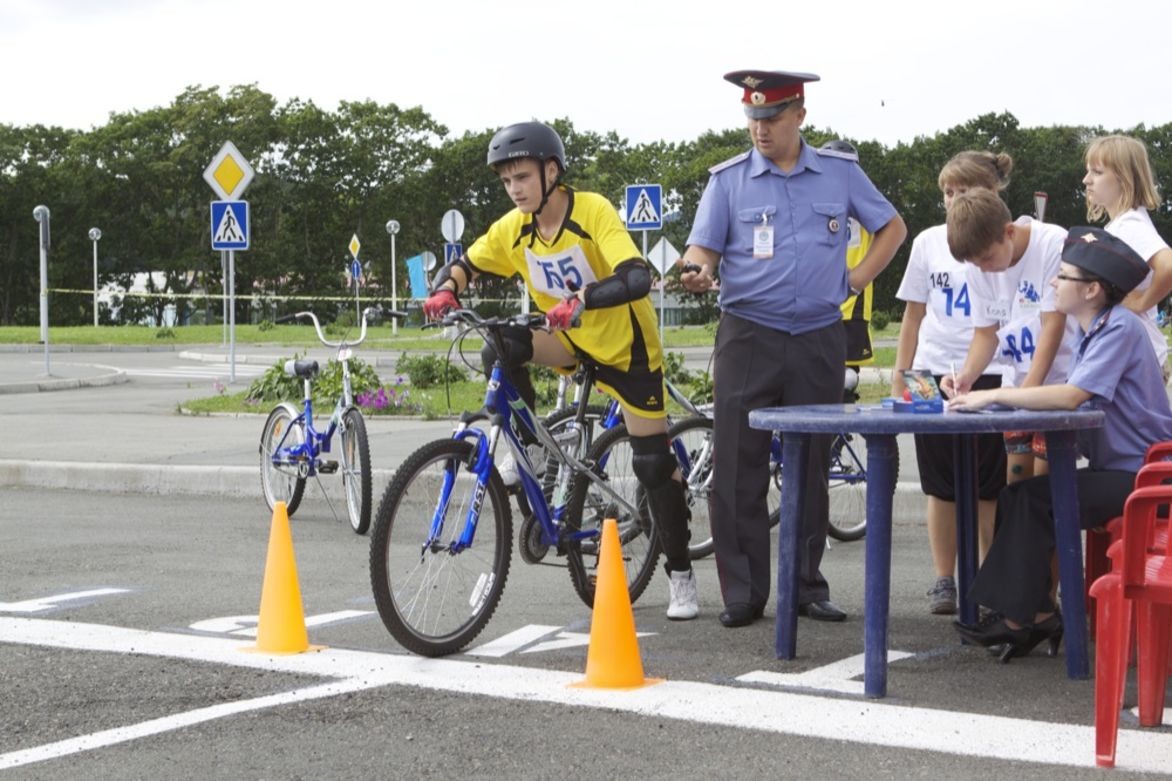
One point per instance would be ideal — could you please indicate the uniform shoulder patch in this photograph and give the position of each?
(743, 156)
(854, 158)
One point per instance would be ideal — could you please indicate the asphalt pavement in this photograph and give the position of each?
(156, 517)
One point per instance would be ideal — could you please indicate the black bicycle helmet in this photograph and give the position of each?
(527, 139)
(533, 140)
(838, 145)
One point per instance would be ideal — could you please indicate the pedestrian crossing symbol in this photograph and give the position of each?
(644, 204)
(230, 225)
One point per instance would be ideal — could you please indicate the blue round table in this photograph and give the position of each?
(879, 427)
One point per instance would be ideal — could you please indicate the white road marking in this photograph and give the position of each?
(513, 641)
(569, 640)
(849, 719)
(48, 603)
(836, 677)
(245, 626)
(144, 729)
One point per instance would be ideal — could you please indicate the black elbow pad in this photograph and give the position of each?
(630, 282)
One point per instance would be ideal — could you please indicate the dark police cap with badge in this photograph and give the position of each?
(1097, 252)
(768, 92)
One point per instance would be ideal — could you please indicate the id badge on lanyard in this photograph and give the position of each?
(763, 239)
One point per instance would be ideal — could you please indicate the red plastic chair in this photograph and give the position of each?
(1098, 543)
(1143, 579)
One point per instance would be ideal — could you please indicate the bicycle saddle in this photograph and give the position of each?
(306, 370)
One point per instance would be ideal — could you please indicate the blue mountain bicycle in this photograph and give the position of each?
(442, 536)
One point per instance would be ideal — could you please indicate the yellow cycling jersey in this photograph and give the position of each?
(856, 311)
(591, 242)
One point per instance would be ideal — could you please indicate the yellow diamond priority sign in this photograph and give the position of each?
(229, 173)
(355, 245)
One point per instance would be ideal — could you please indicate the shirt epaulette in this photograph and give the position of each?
(854, 158)
(729, 163)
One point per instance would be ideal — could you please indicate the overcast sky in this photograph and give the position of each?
(649, 70)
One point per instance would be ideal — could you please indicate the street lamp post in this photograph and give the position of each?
(41, 215)
(393, 230)
(95, 234)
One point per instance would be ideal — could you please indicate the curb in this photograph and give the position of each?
(244, 482)
(115, 376)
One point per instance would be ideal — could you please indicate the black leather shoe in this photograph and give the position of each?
(741, 614)
(821, 610)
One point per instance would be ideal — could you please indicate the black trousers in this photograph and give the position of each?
(1015, 577)
(756, 366)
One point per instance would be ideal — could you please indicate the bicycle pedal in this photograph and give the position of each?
(327, 467)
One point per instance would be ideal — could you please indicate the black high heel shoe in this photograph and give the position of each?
(1012, 642)
(994, 633)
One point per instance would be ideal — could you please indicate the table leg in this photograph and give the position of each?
(881, 455)
(1060, 450)
(795, 450)
(964, 464)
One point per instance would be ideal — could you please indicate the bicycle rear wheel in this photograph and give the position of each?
(280, 479)
(356, 469)
(691, 440)
(433, 596)
(589, 506)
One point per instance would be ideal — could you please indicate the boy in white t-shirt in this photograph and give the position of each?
(1014, 317)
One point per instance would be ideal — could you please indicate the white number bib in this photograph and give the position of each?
(556, 275)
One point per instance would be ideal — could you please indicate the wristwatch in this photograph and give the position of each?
(853, 291)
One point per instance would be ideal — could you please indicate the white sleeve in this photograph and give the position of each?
(914, 286)
(980, 296)
(1140, 235)
(1051, 265)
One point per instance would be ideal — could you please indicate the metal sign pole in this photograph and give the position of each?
(394, 290)
(224, 296)
(41, 215)
(231, 316)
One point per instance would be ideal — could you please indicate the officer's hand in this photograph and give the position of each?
(696, 278)
(440, 303)
(566, 314)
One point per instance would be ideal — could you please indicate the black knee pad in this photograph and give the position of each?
(652, 460)
(654, 464)
(518, 343)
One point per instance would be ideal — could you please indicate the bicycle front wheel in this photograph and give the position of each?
(280, 477)
(589, 506)
(691, 441)
(434, 595)
(848, 487)
(356, 469)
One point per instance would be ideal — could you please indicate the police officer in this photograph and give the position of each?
(774, 220)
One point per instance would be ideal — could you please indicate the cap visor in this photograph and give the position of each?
(765, 112)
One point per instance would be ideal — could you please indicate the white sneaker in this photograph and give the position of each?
(684, 601)
(507, 466)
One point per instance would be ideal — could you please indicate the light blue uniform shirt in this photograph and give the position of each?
(801, 287)
(1114, 362)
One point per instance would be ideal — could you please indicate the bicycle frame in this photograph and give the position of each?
(506, 410)
(304, 456)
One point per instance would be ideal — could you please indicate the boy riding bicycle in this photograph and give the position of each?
(583, 270)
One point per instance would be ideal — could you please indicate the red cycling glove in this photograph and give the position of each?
(566, 314)
(440, 303)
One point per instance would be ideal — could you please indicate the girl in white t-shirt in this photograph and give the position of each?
(935, 334)
(1121, 187)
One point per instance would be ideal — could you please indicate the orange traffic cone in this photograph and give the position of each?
(612, 661)
(281, 627)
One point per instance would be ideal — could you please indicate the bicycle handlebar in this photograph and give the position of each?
(343, 343)
(472, 319)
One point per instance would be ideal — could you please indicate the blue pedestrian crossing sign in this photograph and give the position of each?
(644, 207)
(230, 225)
(452, 251)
